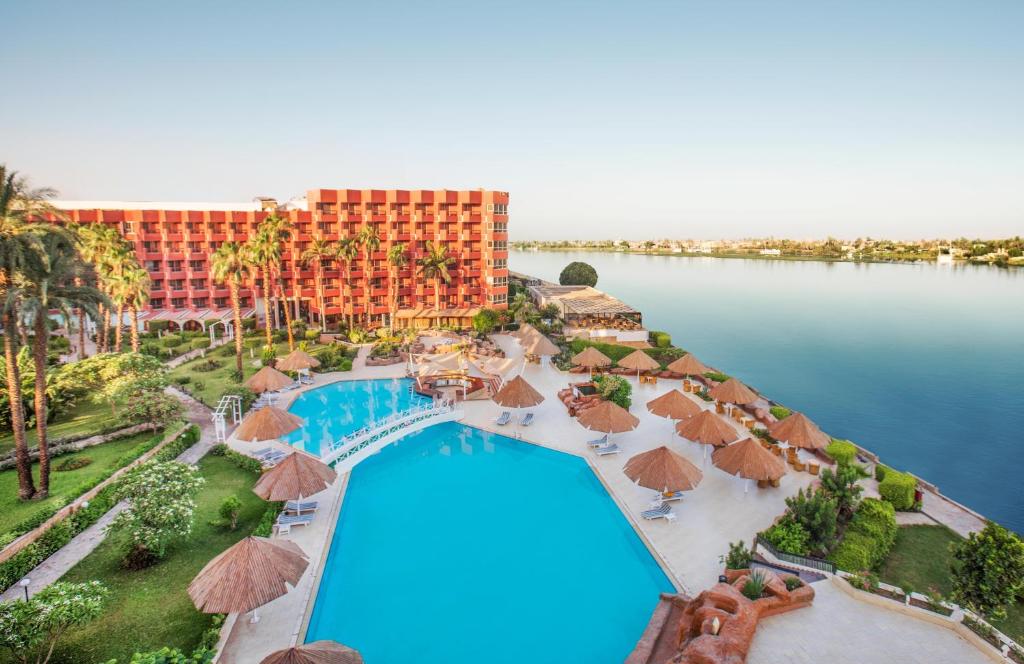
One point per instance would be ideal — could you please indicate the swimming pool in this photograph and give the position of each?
(460, 546)
(338, 409)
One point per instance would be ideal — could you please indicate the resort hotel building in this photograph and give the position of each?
(175, 241)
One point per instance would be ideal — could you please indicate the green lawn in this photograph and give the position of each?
(921, 557)
(62, 484)
(85, 417)
(149, 609)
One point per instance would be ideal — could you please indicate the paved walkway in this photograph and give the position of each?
(57, 565)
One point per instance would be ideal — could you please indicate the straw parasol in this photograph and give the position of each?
(538, 344)
(317, 652)
(733, 391)
(525, 331)
(251, 573)
(640, 361)
(749, 460)
(591, 357)
(673, 405)
(662, 469)
(688, 365)
(297, 360)
(799, 431)
(707, 428)
(268, 379)
(297, 475)
(267, 423)
(608, 417)
(517, 393)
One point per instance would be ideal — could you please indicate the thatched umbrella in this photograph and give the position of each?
(317, 652)
(517, 393)
(538, 344)
(640, 361)
(296, 476)
(706, 428)
(591, 357)
(297, 360)
(608, 417)
(267, 423)
(268, 379)
(750, 460)
(662, 469)
(688, 365)
(524, 331)
(673, 405)
(733, 391)
(254, 571)
(799, 431)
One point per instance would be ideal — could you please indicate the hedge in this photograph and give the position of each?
(898, 488)
(661, 339)
(780, 412)
(869, 538)
(841, 451)
(716, 376)
(241, 460)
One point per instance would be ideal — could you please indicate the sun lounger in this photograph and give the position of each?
(273, 458)
(606, 449)
(527, 420)
(286, 521)
(262, 453)
(603, 440)
(296, 506)
(661, 498)
(663, 511)
(503, 419)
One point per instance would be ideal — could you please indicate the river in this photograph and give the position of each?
(922, 364)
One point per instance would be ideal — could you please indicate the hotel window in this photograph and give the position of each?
(501, 208)
(214, 245)
(157, 285)
(326, 208)
(177, 302)
(498, 245)
(153, 266)
(157, 303)
(199, 284)
(220, 302)
(500, 263)
(149, 245)
(195, 265)
(499, 281)
(128, 228)
(148, 227)
(174, 266)
(192, 227)
(500, 227)
(177, 284)
(195, 246)
(244, 302)
(497, 298)
(199, 302)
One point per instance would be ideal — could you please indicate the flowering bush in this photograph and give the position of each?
(161, 499)
(32, 627)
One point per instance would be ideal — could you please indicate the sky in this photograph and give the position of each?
(710, 119)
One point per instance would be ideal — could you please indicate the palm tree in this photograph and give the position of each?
(348, 251)
(397, 259)
(19, 206)
(435, 266)
(136, 281)
(228, 265)
(318, 251)
(265, 251)
(370, 242)
(522, 307)
(102, 246)
(51, 281)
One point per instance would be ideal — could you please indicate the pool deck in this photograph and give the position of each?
(718, 511)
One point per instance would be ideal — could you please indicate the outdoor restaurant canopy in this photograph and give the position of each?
(608, 417)
(674, 405)
(298, 475)
(707, 428)
(733, 391)
(662, 469)
(688, 365)
(799, 431)
(591, 357)
(749, 460)
(640, 361)
(268, 379)
(248, 575)
(297, 360)
(517, 393)
(317, 652)
(267, 423)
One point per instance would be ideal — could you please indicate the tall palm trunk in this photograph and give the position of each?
(81, 335)
(392, 297)
(367, 281)
(320, 300)
(437, 293)
(287, 313)
(117, 330)
(42, 407)
(26, 487)
(348, 285)
(236, 310)
(101, 329)
(135, 327)
(266, 304)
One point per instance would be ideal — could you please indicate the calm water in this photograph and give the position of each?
(923, 364)
(460, 546)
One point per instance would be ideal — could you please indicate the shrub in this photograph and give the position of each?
(578, 273)
(229, 509)
(792, 583)
(788, 536)
(780, 412)
(661, 339)
(35, 625)
(753, 589)
(841, 451)
(880, 472)
(182, 380)
(988, 570)
(201, 342)
(265, 528)
(898, 488)
(816, 511)
(615, 389)
(716, 376)
(311, 335)
(268, 354)
(73, 463)
(171, 340)
(869, 537)
(739, 556)
(863, 580)
(208, 364)
(841, 485)
(243, 461)
(199, 385)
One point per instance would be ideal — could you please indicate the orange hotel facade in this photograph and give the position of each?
(175, 241)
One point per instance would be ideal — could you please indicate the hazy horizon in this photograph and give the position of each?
(682, 120)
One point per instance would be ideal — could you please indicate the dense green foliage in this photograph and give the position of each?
(788, 536)
(739, 556)
(753, 589)
(31, 628)
(578, 273)
(843, 452)
(485, 321)
(817, 512)
(898, 488)
(616, 389)
(988, 570)
(716, 376)
(660, 339)
(780, 412)
(841, 485)
(868, 538)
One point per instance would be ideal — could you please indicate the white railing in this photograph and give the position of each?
(228, 403)
(380, 433)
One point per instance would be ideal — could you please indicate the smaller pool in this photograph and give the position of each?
(336, 410)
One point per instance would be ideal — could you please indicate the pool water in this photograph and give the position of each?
(336, 410)
(459, 546)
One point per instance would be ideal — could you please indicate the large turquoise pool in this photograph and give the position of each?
(458, 546)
